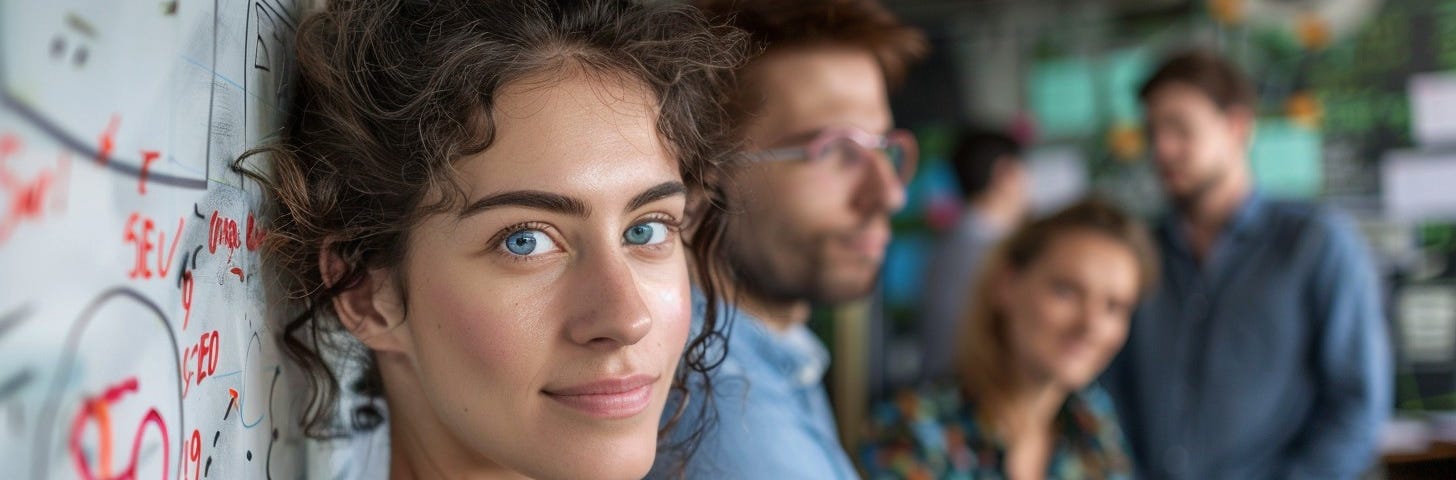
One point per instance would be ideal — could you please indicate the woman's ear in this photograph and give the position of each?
(370, 307)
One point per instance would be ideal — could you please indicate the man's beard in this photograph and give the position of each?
(1186, 202)
(807, 276)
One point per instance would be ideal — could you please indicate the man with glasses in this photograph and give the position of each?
(810, 220)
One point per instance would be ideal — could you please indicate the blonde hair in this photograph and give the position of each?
(985, 351)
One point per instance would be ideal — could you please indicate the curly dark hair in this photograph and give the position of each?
(391, 93)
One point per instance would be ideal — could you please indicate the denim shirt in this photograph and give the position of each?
(1269, 359)
(773, 416)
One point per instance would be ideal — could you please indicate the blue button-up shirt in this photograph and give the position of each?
(773, 417)
(1268, 360)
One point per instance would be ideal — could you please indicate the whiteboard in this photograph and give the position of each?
(132, 337)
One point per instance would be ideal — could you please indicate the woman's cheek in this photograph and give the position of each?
(490, 323)
(1114, 334)
(673, 310)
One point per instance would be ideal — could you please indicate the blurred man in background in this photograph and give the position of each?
(809, 222)
(1263, 353)
(993, 186)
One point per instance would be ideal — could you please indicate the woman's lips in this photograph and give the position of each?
(611, 398)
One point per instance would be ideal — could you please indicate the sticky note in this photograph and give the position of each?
(1286, 159)
(1123, 72)
(1063, 97)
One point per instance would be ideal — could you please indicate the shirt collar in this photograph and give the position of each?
(1245, 223)
(1248, 218)
(796, 353)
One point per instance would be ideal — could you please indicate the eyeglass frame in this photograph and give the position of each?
(866, 141)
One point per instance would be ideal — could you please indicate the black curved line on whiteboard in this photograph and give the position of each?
(12, 318)
(272, 418)
(60, 135)
(11, 385)
(68, 360)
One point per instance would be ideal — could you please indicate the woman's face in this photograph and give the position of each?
(545, 320)
(1068, 311)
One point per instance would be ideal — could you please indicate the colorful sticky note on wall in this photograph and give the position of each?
(1286, 159)
(1064, 97)
(1123, 72)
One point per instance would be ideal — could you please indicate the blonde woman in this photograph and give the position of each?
(1050, 312)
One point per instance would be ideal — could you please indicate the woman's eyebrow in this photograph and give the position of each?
(659, 192)
(555, 202)
(534, 199)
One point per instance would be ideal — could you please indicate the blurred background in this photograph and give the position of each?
(1354, 102)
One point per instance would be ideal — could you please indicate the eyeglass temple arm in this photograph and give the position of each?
(777, 154)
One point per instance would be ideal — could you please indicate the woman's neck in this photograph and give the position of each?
(1025, 422)
(1031, 409)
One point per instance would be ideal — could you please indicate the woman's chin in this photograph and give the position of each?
(616, 463)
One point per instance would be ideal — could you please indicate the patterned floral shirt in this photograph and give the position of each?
(932, 433)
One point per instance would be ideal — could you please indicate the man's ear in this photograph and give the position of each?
(370, 306)
(1241, 119)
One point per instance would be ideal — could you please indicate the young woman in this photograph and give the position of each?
(1048, 315)
(489, 196)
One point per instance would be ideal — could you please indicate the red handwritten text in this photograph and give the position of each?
(139, 230)
(187, 285)
(192, 455)
(28, 198)
(148, 156)
(256, 233)
(222, 231)
(199, 360)
(107, 142)
(97, 410)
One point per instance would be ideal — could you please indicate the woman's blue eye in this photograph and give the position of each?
(650, 233)
(529, 242)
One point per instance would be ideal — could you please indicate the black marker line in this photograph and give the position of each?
(116, 164)
(273, 387)
(182, 272)
(13, 384)
(10, 319)
(211, 99)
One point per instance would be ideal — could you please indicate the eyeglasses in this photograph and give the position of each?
(849, 149)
